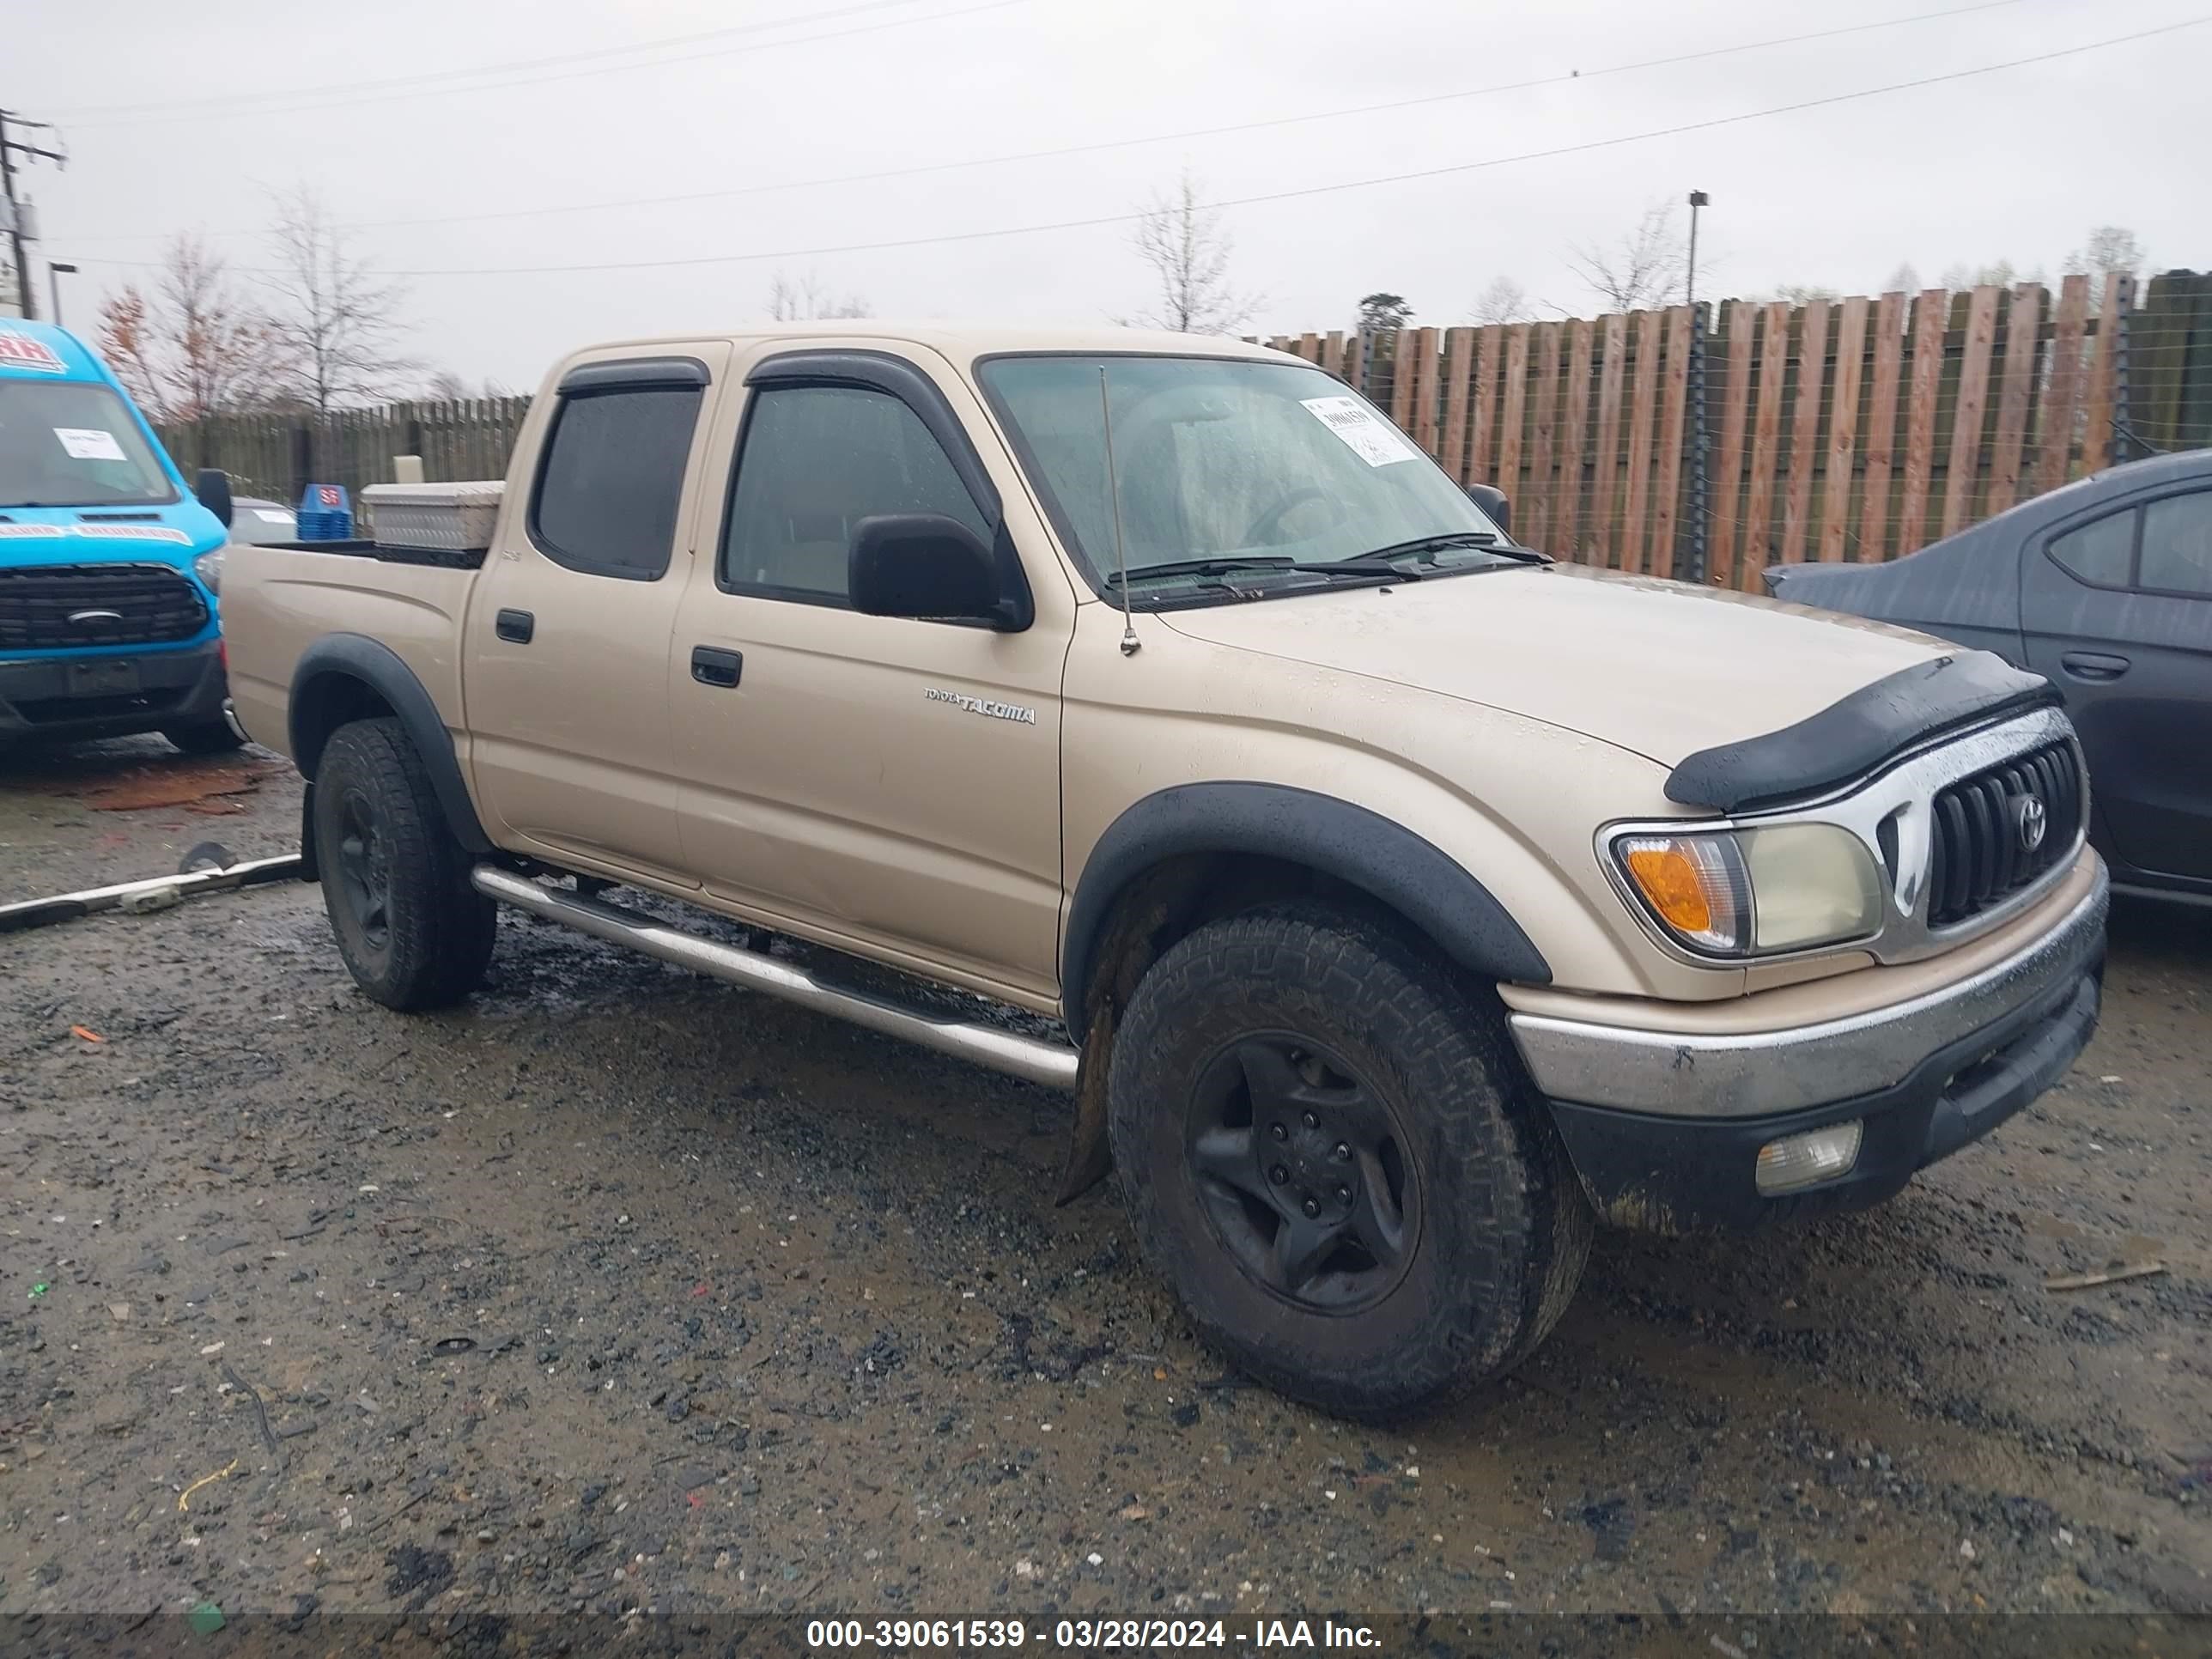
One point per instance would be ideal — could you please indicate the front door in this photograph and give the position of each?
(567, 632)
(889, 784)
(2118, 614)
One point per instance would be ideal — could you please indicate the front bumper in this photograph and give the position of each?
(80, 697)
(1664, 1128)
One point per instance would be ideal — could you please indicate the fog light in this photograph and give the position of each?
(1818, 1155)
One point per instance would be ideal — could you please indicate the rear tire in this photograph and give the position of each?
(1379, 1101)
(214, 737)
(412, 931)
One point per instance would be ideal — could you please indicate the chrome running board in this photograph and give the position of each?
(1050, 1063)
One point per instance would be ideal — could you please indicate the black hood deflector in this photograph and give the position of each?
(1850, 739)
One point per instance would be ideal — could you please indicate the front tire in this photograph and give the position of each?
(1328, 1151)
(413, 933)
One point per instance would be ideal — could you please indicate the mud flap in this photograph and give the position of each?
(1090, 1157)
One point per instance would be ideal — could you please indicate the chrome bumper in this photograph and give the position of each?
(1751, 1074)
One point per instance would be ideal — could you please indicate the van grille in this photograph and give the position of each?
(150, 604)
(1980, 859)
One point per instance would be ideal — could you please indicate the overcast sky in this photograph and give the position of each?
(181, 118)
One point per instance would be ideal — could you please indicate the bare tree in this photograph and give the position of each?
(1903, 280)
(1998, 273)
(1804, 294)
(1503, 301)
(1187, 248)
(336, 325)
(1646, 268)
(445, 387)
(193, 347)
(2111, 250)
(809, 298)
(127, 342)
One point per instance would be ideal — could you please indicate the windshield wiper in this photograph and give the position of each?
(1229, 564)
(1483, 540)
(1220, 565)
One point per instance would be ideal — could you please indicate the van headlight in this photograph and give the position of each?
(1754, 892)
(209, 569)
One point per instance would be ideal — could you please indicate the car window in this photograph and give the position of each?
(2100, 552)
(612, 478)
(817, 459)
(2177, 544)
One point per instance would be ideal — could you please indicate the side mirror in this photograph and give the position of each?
(213, 488)
(1492, 500)
(931, 568)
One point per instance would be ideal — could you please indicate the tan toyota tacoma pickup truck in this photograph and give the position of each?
(1412, 901)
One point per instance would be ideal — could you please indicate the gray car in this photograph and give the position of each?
(255, 521)
(2104, 588)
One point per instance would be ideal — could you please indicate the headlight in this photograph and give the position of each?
(209, 569)
(1754, 892)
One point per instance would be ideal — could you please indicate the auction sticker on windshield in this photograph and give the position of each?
(86, 443)
(1374, 441)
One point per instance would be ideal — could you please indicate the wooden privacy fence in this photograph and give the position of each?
(278, 453)
(1678, 442)
(1705, 443)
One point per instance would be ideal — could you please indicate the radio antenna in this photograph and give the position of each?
(1130, 642)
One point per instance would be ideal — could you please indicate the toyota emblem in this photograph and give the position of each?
(2031, 821)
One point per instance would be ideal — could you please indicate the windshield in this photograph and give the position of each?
(72, 443)
(1248, 464)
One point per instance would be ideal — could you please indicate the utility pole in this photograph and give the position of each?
(25, 291)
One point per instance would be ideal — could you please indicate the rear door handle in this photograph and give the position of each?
(2094, 665)
(514, 626)
(710, 667)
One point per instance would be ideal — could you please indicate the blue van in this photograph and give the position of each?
(109, 565)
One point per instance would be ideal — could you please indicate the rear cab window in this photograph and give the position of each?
(609, 484)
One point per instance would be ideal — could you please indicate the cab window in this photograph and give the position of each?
(815, 461)
(612, 480)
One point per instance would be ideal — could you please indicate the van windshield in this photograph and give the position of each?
(1234, 464)
(72, 443)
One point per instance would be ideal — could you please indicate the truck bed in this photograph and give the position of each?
(281, 597)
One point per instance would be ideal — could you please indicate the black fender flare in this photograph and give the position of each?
(338, 658)
(1362, 848)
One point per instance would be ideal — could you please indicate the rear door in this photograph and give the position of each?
(567, 631)
(2117, 611)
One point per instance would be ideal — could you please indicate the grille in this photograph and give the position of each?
(1978, 860)
(152, 605)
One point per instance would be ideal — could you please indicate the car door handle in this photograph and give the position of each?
(2094, 665)
(712, 667)
(514, 626)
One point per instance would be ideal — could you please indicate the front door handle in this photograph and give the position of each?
(514, 626)
(2094, 665)
(710, 667)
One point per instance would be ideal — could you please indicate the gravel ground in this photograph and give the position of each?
(619, 1288)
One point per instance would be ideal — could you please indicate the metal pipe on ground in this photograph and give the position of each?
(153, 893)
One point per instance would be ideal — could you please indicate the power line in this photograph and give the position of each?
(1099, 145)
(149, 114)
(428, 76)
(1296, 193)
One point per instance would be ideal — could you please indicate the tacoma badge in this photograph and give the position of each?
(997, 711)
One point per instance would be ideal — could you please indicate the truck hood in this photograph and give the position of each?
(1660, 668)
